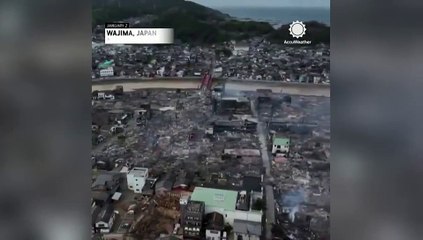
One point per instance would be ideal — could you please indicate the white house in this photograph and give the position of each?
(107, 72)
(136, 179)
(280, 145)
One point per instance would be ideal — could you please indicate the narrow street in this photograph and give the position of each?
(268, 188)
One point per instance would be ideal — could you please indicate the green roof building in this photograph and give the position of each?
(215, 198)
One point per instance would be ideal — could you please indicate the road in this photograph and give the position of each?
(268, 188)
(241, 85)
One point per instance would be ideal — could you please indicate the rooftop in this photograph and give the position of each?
(242, 152)
(139, 172)
(219, 198)
(105, 214)
(280, 141)
(105, 64)
(243, 201)
(251, 183)
(215, 221)
(195, 206)
(148, 188)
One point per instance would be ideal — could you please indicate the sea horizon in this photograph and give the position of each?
(279, 15)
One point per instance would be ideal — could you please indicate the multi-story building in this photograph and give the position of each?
(192, 220)
(136, 179)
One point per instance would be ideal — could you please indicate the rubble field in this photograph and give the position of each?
(186, 131)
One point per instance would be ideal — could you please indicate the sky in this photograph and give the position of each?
(264, 3)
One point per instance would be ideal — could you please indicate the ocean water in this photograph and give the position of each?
(278, 16)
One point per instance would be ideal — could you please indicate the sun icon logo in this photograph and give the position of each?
(297, 29)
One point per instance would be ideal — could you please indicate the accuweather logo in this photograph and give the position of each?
(297, 29)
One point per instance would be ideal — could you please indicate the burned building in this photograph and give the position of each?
(148, 188)
(264, 96)
(252, 183)
(104, 186)
(165, 184)
(234, 126)
(143, 114)
(300, 128)
(233, 105)
(183, 180)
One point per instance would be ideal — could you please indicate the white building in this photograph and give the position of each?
(136, 179)
(107, 72)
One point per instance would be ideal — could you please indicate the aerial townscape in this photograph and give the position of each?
(254, 59)
(221, 140)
